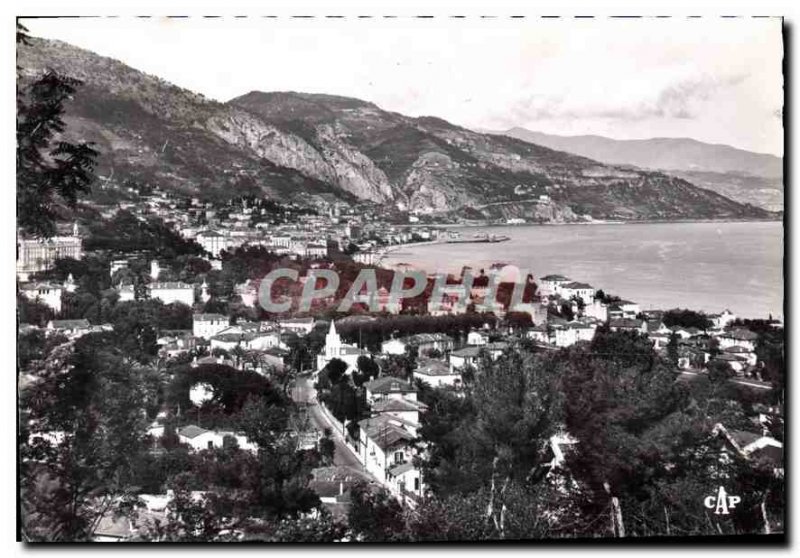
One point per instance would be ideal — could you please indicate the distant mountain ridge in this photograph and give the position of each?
(289, 145)
(744, 176)
(682, 154)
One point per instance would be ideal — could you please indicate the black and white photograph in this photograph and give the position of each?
(400, 279)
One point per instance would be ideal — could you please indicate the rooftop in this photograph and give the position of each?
(191, 431)
(70, 324)
(555, 278)
(208, 317)
(577, 285)
(389, 384)
(432, 367)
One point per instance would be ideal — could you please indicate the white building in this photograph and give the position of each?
(72, 328)
(583, 291)
(477, 338)
(36, 254)
(201, 439)
(248, 292)
(597, 310)
(335, 348)
(389, 387)
(386, 448)
(48, 294)
(470, 356)
(436, 373)
(208, 325)
(172, 291)
(624, 309)
(126, 293)
(549, 284)
(367, 258)
(722, 319)
(539, 334)
(212, 242)
(300, 326)
(740, 336)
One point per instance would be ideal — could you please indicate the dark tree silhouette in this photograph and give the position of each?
(50, 170)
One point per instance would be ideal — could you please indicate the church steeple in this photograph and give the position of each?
(333, 343)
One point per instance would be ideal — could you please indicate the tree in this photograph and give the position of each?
(48, 171)
(189, 519)
(367, 370)
(375, 516)
(720, 371)
(498, 430)
(327, 448)
(672, 349)
(322, 529)
(83, 433)
(686, 318)
(566, 311)
(336, 369)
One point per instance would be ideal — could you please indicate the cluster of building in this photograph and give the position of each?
(225, 226)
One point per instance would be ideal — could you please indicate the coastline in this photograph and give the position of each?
(599, 222)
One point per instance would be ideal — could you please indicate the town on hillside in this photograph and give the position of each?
(179, 281)
(224, 333)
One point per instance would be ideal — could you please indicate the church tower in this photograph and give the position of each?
(204, 296)
(333, 343)
(69, 284)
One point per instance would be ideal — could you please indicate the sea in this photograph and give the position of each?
(707, 266)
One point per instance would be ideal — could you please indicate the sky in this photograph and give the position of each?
(714, 80)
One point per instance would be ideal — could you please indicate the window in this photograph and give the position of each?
(416, 484)
(211, 444)
(399, 457)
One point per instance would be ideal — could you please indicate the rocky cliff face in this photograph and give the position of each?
(295, 145)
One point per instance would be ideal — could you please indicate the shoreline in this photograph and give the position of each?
(599, 222)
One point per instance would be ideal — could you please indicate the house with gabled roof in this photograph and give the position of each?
(208, 325)
(627, 324)
(757, 449)
(405, 409)
(738, 336)
(436, 373)
(70, 328)
(201, 439)
(389, 387)
(386, 443)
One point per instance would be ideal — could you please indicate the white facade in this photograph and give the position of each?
(300, 326)
(549, 284)
(597, 310)
(212, 242)
(170, 292)
(477, 338)
(335, 348)
(48, 294)
(208, 325)
(200, 439)
(741, 337)
(393, 347)
(437, 374)
(37, 255)
(583, 291)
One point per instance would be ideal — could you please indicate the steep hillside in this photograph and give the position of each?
(149, 130)
(293, 145)
(435, 166)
